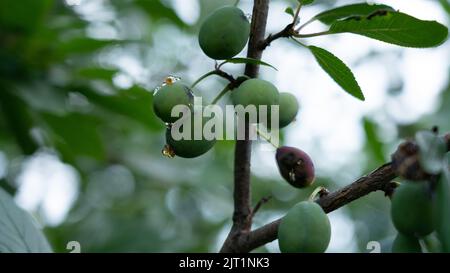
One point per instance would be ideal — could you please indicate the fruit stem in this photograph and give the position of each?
(266, 138)
(314, 194)
(203, 77)
(312, 34)
(305, 24)
(221, 64)
(299, 43)
(297, 12)
(221, 94)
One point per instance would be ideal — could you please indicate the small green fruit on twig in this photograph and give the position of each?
(289, 108)
(305, 229)
(412, 209)
(169, 96)
(256, 92)
(224, 33)
(191, 147)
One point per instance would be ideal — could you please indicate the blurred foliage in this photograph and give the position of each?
(67, 87)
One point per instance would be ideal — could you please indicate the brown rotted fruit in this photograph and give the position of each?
(295, 166)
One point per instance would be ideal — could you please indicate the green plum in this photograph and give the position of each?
(305, 229)
(411, 209)
(169, 96)
(224, 33)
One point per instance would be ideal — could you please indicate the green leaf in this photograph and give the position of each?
(134, 103)
(432, 151)
(75, 135)
(83, 45)
(248, 61)
(290, 11)
(24, 16)
(157, 10)
(306, 2)
(361, 9)
(98, 73)
(18, 231)
(374, 143)
(337, 70)
(395, 28)
(19, 118)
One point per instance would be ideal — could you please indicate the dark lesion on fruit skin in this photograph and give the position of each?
(294, 168)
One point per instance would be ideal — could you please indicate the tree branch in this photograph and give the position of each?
(242, 158)
(377, 180)
(285, 33)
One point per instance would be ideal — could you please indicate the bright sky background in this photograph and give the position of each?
(328, 126)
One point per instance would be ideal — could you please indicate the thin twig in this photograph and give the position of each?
(297, 13)
(261, 202)
(216, 72)
(313, 34)
(221, 94)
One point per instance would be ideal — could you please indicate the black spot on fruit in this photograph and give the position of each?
(412, 209)
(169, 96)
(224, 33)
(305, 229)
(295, 166)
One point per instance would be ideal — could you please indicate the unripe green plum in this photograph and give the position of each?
(295, 166)
(169, 96)
(224, 33)
(411, 209)
(190, 148)
(258, 93)
(305, 229)
(289, 108)
(406, 244)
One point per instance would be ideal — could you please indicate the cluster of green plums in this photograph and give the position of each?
(251, 92)
(171, 94)
(223, 35)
